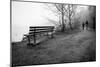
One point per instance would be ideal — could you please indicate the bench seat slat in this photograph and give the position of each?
(41, 29)
(41, 26)
(39, 32)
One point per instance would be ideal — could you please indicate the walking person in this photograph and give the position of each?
(86, 25)
(83, 25)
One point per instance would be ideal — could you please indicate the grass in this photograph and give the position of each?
(65, 47)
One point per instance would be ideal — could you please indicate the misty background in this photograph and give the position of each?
(25, 14)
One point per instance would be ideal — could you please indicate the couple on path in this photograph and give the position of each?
(85, 25)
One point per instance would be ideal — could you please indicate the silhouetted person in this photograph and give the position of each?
(94, 23)
(83, 25)
(87, 24)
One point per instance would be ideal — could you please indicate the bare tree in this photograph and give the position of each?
(60, 7)
(65, 12)
(70, 13)
(60, 13)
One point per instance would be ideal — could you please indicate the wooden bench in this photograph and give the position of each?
(35, 31)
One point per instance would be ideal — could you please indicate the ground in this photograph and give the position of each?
(76, 46)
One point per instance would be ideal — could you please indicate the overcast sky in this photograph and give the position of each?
(25, 14)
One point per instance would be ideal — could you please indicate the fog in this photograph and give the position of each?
(25, 14)
(28, 14)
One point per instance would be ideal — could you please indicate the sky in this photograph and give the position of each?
(28, 14)
(25, 14)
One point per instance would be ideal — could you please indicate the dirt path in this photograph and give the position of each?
(70, 48)
(62, 48)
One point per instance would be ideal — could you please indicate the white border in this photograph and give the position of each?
(5, 33)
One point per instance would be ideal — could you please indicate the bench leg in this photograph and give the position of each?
(34, 39)
(28, 40)
(52, 35)
(47, 35)
(29, 44)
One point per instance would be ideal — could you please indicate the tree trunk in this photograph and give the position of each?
(70, 18)
(70, 24)
(63, 26)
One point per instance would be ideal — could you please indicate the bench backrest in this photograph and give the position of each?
(40, 29)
